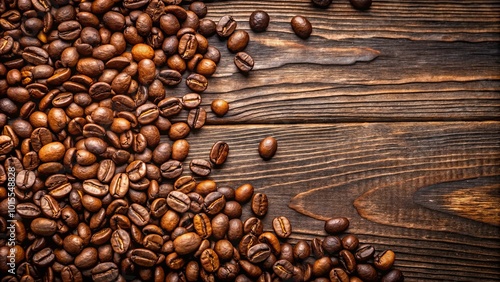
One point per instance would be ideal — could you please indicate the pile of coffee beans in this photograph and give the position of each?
(88, 191)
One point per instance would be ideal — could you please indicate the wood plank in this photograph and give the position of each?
(400, 184)
(404, 61)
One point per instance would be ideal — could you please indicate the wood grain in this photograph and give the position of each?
(399, 61)
(402, 185)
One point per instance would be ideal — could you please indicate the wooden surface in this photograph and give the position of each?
(389, 117)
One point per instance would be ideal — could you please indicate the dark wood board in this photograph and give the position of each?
(390, 117)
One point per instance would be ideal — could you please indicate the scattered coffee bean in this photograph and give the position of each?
(361, 4)
(301, 26)
(259, 21)
(268, 147)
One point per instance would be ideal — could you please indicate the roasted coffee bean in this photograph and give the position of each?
(50, 207)
(196, 118)
(259, 21)
(258, 253)
(28, 210)
(138, 214)
(350, 242)
(226, 26)
(44, 257)
(171, 169)
(43, 226)
(238, 41)
(268, 147)
(244, 193)
(361, 4)
(143, 257)
(95, 188)
(364, 253)
(209, 260)
(260, 205)
(394, 275)
(336, 225)
(178, 201)
(282, 226)
(202, 225)
(244, 62)
(219, 107)
(197, 82)
(301, 26)
(283, 269)
(220, 226)
(347, 260)
(120, 241)
(187, 243)
(331, 244)
(322, 3)
(169, 106)
(200, 167)
(214, 203)
(338, 275)
(219, 152)
(35, 55)
(25, 179)
(301, 250)
(384, 260)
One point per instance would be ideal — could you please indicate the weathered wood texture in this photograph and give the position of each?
(389, 117)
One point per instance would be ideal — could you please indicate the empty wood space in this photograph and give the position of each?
(390, 117)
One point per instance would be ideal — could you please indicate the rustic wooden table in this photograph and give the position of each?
(389, 117)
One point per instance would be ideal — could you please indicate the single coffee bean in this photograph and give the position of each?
(219, 152)
(178, 201)
(196, 118)
(394, 275)
(185, 184)
(238, 41)
(120, 241)
(301, 26)
(338, 275)
(200, 167)
(258, 253)
(219, 107)
(364, 253)
(197, 82)
(282, 226)
(384, 260)
(283, 269)
(104, 272)
(322, 3)
(244, 193)
(322, 266)
(259, 21)
(336, 225)
(28, 210)
(171, 169)
(347, 260)
(226, 26)
(361, 4)
(209, 260)
(95, 188)
(50, 207)
(138, 214)
(202, 225)
(244, 62)
(331, 244)
(43, 226)
(25, 179)
(214, 203)
(350, 242)
(268, 147)
(260, 204)
(44, 257)
(301, 250)
(187, 243)
(143, 257)
(191, 100)
(220, 226)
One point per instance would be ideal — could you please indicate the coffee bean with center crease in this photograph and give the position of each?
(28, 210)
(35, 55)
(105, 272)
(197, 82)
(50, 207)
(244, 62)
(214, 203)
(178, 201)
(119, 185)
(25, 179)
(44, 257)
(138, 214)
(196, 118)
(259, 204)
(169, 106)
(170, 77)
(282, 226)
(364, 253)
(171, 169)
(258, 253)
(219, 152)
(95, 188)
(120, 241)
(226, 26)
(283, 269)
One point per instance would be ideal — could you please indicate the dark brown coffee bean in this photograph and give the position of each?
(191, 100)
(361, 4)
(350, 242)
(394, 275)
(268, 147)
(28, 210)
(220, 226)
(364, 253)
(331, 244)
(244, 62)
(171, 169)
(258, 253)
(44, 257)
(185, 184)
(143, 257)
(238, 41)
(338, 275)
(197, 82)
(25, 179)
(347, 260)
(219, 152)
(104, 272)
(322, 266)
(35, 55)
(138, 214)
(120, 241)
(214, 203)
(50, 207)
(259, 21)
(69, 30)
(259, 204)
(384, 260)
(209, 260)
(283, 269)
(226, 26)
(187, 243)
(336, 225)
(200, 167)
(178, 201)
(106, 170)
(95, 188)
(43, 226)
(367, 272)
(282, 226)
(301, 26)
